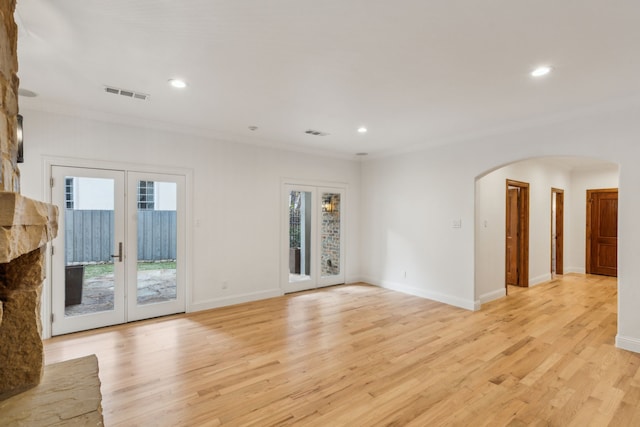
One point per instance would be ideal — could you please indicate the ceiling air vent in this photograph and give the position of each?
(126, 92)
(315, 132)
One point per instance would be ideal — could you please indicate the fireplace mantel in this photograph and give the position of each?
(25, 225)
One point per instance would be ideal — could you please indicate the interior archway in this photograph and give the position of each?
(574, 175)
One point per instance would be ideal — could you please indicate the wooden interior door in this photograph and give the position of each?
(558, 237)
(512, 243)
(602, 232)
(517, 234)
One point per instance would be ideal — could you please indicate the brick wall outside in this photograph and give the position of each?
(330, 238)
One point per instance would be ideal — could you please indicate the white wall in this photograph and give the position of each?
(165, 196)
(98, 194)
(93, 194)
(581, 181)
(490, 223)
(236, 196)
(400, 209)
(409, 201)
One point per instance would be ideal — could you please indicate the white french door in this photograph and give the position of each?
(313, 240)
(120, 247)
(155, 272)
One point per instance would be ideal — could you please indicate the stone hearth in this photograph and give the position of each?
(69, 395)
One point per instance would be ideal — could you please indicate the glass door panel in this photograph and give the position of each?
(300, 238)
(156, 245)
(87, 262)
(156, 266)
(331, 239)
(330, 235)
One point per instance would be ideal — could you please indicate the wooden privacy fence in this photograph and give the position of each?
(88, 236)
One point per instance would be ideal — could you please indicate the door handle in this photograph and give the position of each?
(119, 254)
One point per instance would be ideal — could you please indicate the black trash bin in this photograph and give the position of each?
(294, 260)
(73, 276)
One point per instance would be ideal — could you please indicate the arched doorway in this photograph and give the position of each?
(574, 176)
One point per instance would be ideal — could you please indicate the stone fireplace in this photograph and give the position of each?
(30, 393)
(25, 228)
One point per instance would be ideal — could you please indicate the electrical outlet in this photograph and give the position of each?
(225, 284)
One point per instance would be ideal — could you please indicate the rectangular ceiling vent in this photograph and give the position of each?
(315, 132)
(127, 93)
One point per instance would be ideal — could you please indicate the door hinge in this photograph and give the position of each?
(52, 251)
(51, 182)
(51, 317)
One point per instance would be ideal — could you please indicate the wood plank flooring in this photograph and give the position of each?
(359, 355)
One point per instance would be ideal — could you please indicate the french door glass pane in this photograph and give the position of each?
(89, 242)
(299, 236)
(330, 235)
(157, 242)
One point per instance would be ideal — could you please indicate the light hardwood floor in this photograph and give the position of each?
(358, 355)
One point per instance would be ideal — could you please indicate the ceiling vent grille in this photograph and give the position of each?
(315, 132)
(126, 92)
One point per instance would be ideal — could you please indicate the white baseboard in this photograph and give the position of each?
(493, 295)
(435, 296)
(628, 343)
(579, 270)
(543, 278)
(234, 299)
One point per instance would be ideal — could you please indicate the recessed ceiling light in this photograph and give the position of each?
(362, 129)
(541, 71)
(180, 84)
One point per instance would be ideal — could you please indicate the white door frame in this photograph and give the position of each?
(49, 161)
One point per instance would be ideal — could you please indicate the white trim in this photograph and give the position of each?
(235, 299)
(491, 296)
(628, 343)
(313, 183)
(435, 296)
(207, 134)
(579, 270)
(75, 162)
(543, 278)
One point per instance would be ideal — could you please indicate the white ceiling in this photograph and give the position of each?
(413, 72)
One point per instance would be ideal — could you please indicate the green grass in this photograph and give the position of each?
(95, 270)
(171, 265)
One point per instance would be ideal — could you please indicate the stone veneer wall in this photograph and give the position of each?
(25, 228)
(9, 172)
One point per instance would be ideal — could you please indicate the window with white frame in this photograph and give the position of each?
(146, 196)
(68, 193)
